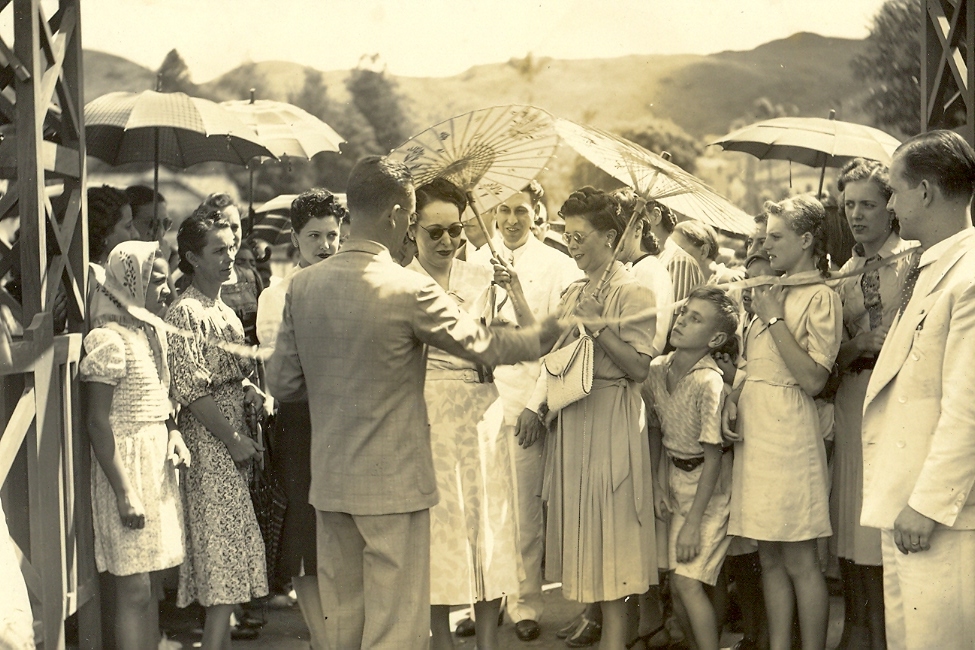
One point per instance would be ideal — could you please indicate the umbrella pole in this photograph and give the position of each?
(641, 205)
(250, 193)
(480, 222)
(822, 177)
(155, 176)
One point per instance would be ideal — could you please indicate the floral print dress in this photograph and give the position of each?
(224, 549)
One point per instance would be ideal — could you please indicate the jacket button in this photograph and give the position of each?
(900, 444)
(915, 356)
(902, 399)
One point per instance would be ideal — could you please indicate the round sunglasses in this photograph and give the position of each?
(436, 232)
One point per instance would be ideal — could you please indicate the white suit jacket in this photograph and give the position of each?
(919, 410)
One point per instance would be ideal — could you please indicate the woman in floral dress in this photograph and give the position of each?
(474, 556)
(225, 552)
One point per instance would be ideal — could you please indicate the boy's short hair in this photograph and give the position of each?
(725, 308)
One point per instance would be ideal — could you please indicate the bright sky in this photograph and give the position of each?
(445, 37)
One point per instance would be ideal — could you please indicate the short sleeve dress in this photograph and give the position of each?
(224, 550)
(851, 540)
(121, 357)
(474, 553)
(600, 539)
(779, 489)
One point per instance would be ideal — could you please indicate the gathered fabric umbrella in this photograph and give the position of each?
(491, 153)
(285, 129)
(166, 128)
(653, 177)
(811, 141)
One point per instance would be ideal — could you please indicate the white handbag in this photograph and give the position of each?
(568, 373)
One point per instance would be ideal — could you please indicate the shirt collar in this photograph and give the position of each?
(704, 363)
(517, 253)
(891, 244)
(932, 254)
(366, 246)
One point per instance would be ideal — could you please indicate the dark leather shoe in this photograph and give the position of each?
(244, 633)
(570, 627)
(465, 627)
(527, 630)
(587, 635)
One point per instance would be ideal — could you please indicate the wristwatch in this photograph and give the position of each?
(595, 333)
(772, 321)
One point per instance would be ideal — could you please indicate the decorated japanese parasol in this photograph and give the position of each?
(653, 177)
(490, 153)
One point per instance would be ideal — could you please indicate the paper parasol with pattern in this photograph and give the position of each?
(490, 153)
(653, 177)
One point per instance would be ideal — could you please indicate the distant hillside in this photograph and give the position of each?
(702, 94)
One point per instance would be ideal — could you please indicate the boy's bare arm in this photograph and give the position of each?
(689, 537)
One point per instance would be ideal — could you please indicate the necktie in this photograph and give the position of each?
(909, 282)
(870, 285)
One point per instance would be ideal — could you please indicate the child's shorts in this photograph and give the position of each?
(714, 526)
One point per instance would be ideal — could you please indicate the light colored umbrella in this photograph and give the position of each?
(653, 177)
(285, 129)
(169, 128)
(491, 153)
(812, 141)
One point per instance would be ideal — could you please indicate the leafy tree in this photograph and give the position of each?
(375, 95)
(891, 66)
(174, 75)
(652, 134)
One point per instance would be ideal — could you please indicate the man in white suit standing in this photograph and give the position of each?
(919, 411)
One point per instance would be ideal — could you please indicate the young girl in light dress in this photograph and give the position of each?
(136, 509)
(779, 494)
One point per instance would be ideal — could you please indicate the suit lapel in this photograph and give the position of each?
(901, 336)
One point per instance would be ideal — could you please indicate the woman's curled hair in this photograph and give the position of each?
(105, 205)
(599, 208)
(192, 235)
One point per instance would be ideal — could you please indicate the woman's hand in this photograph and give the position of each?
(590, 311)
(529, 429)
(177, 451)
(505, 275)
(131, 511)
(661, 502)
(243, 449)
(729, 420)
(768, 302)
(870, 342)
(253, 405)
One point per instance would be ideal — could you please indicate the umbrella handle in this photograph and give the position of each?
(638, 209)
(480, 222)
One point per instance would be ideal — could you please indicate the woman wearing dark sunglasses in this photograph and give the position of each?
(474, 549)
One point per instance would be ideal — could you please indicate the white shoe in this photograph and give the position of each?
(169, 644)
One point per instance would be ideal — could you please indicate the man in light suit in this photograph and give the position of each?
(352, 343)
(919, 410)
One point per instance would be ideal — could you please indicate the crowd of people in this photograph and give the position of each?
(737, 419)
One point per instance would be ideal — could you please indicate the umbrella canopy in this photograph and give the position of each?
(169, 128)
(285, 129)
(491, 153)
(653, 177)
(812, 141)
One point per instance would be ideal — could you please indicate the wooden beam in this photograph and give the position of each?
(44, 472)
(15, 432)
(30, 176)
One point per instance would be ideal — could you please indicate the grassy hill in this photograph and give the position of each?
(702, 94)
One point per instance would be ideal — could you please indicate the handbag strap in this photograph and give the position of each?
(565, 335)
